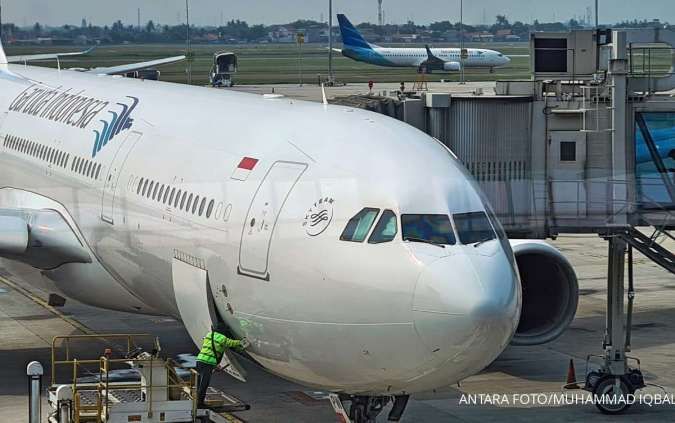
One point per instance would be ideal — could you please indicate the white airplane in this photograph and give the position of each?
(354, 251)
(425, 60)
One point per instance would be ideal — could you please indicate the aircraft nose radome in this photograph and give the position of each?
(466, 308)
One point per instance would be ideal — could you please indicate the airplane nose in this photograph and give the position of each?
(466, 308)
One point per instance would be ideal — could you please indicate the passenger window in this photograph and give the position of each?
(385, 230)
(98, 171)
(177, 199)
(358, 226)
(145, 187)
(202, 205)
(161, 192)
(154, 193)
(473, 227)
(173, 192)
(166, 194)
(195, 204)
(182, 200)
(140, 185)
(209, 209)
(431, 228)
(152, 185)
(189, 202)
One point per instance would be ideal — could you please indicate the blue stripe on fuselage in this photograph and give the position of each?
(367, 55)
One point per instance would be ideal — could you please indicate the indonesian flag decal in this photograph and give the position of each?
(246, 165)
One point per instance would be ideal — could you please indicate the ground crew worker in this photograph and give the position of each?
(213, 349)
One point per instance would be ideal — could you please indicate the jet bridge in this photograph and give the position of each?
(587, 145)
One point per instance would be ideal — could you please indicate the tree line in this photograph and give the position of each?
(238, 30)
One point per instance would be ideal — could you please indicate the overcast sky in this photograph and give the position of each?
(208, 12)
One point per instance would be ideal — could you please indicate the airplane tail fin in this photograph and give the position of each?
(351, 37)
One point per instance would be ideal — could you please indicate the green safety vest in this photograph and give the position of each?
(214, 346)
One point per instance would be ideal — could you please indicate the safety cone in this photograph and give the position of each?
(571, 377)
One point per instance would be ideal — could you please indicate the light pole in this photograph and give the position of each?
(596, 15)
(330, 41)
(461, 42)
(300, 39)
(187, 43)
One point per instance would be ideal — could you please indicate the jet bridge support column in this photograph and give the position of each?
(614, 381)
(614, 346)
(618, 70)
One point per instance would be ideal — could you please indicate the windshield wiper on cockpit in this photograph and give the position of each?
(481, 242)
(425, 241)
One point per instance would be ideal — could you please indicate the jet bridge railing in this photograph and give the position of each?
(584, 206)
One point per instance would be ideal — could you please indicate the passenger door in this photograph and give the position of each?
(113, 176)
(262, 217)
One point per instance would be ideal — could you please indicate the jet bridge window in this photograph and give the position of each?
(655, 160)
(385, 230)
(358, 226)
(568, 151)
(431, 228)
(474, 227)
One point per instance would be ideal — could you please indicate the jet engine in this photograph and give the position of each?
(452, 66)
(550, 292)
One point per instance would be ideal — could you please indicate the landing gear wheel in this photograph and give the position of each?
(366, 409)
(360, 414)
(612, 393)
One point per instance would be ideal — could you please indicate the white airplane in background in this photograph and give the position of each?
(354, 251)
(425, 60)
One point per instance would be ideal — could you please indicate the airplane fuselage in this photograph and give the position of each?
(414, 57)
(258, 193)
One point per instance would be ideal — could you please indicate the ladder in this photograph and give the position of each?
(649, 246)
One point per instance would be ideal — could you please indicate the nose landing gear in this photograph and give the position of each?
(365, 409)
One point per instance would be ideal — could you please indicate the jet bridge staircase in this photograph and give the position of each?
(650, 246)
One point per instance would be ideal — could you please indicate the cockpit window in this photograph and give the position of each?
(358, 226)
(385, 230)
(433, 228)
(473, 227)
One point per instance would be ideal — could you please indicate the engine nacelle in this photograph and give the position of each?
(550, 292)
(452, 66)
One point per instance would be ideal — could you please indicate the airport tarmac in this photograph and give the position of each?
(27, 326)
(312, 92)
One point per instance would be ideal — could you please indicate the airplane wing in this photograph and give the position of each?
(434, 62)
(122, 69)
(46, 56)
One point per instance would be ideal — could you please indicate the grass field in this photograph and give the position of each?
(274, 63)
(279, 64)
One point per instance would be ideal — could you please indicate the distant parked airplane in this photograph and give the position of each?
(426, 59)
